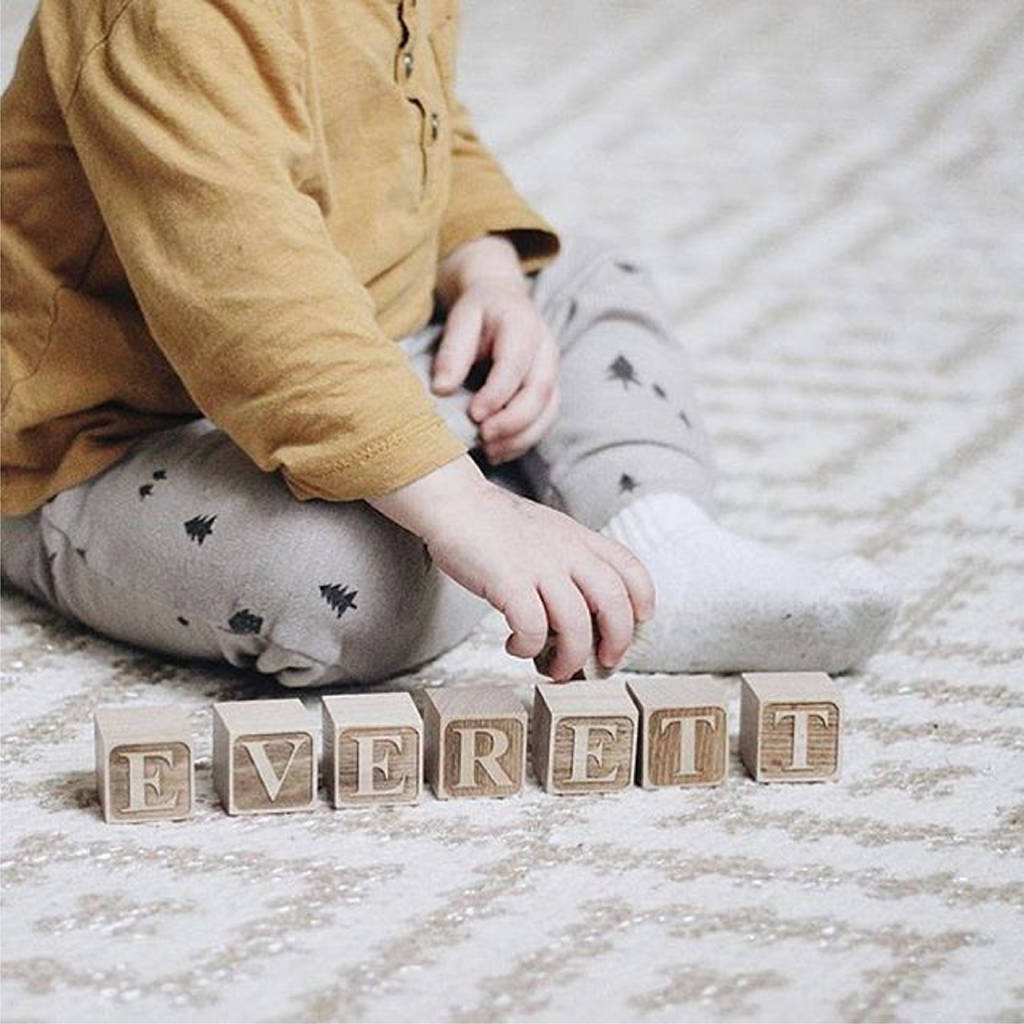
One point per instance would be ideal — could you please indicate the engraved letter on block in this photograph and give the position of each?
(264, 756)
(684, 738)
(791, 726)
(476, 742)
(584, 736)
(373, 749)
(144, 763)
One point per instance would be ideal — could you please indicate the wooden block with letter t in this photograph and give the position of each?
(584, 736)
(373, 748)
(791, 726)
(144, 763)
(475, 742)
(684, 736)
(264, 756)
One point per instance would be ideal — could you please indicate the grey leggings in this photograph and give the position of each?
(316, 592)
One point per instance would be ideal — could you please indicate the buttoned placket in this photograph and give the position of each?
(409, 80)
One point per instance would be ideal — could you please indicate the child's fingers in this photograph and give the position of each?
(527, 405)
(607, 597)
(519, 444)
(527, 618)
(569, 617)
(633, 572)
(459, 346)
(511, 356)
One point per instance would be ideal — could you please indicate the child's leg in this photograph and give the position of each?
(185, 547)
(629, 455)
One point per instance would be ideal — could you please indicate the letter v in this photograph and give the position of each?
(272, 782)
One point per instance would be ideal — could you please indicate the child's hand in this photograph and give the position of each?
(491, 314)
(545, 572)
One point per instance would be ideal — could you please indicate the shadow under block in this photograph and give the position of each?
(584, 736)
(145, 763)
(791, 726)
(684, 731)
(373, 749)
(475, 742)
(264, 756)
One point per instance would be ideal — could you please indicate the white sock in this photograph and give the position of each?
(725, 603)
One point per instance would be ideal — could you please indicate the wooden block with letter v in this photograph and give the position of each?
(264, 756)
(475, 742)
(684, 737)
(584, 736)
(791, 726)
(373, 748)
(144, 763)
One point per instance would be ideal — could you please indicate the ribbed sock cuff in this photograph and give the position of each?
(647, 520)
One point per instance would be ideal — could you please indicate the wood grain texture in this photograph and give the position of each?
(684, 730)
(144, 763)
(791, 726)
(264, 756)
(476, 742)
(373, 748)
(584, 736)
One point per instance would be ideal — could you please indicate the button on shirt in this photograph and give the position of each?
(234, 208)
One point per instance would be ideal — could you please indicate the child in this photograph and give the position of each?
(243, 241)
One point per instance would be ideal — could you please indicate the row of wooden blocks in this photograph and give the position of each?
(587, 737)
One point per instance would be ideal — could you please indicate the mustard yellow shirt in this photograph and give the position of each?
(233, 208)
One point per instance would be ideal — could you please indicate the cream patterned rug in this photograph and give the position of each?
(831, 197)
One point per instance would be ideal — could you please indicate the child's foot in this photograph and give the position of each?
(725, 603)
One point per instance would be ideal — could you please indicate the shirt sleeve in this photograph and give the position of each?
(484, 201)
(190, 123)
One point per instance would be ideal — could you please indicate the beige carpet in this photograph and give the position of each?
(831, 195)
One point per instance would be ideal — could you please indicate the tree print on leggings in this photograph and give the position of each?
(622, 369)
(338, 597)
(199, 528)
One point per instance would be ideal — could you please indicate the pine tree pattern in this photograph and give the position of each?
(245, 621)
(658, 390)
(629, 268)
(571, 315)
(160, 474)
(199, 528)
(627, 483)
(183, 620)
(145, 491)
(684, 418)
(622, 369)
(338, 597)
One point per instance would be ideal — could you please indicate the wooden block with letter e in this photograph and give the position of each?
(144, 763)
(475, 742)
(264, 756)
(791, 726)
(373, 748)
(684, 737)
(584, 736)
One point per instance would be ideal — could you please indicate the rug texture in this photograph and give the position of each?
(830, 196)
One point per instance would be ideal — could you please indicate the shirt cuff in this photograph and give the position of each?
(383, 464)
(536, 241)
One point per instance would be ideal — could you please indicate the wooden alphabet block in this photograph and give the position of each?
(584, 736)
(373, 748)
(684, 736)
(264, 756)
(144, 763)
(475, 742)
(791, 726)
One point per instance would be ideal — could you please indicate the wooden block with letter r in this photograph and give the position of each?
(475, 742)
(584, 736)
(373, 748)
(791, 726)
(264, 756)
(145, 761)
(684, 733)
